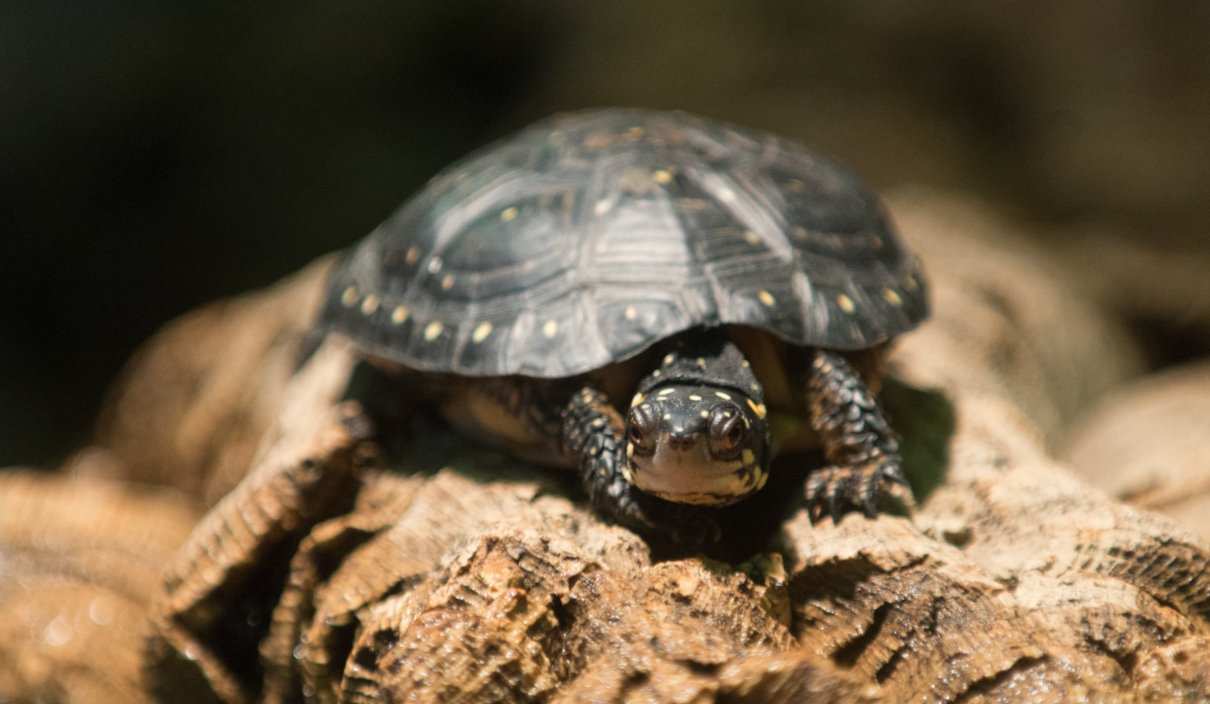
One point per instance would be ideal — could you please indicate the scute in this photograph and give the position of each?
(588, 237)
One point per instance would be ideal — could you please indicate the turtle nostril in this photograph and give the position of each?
(681, 439)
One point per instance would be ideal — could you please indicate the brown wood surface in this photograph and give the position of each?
(435, 571)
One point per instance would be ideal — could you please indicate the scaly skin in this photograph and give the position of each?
(593, 433)
(860, 446)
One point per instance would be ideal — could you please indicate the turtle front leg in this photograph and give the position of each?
(861, 448)
(594, 434)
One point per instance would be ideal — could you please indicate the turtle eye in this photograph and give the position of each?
(728, 430)
(640, 427)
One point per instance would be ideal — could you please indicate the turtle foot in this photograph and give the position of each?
(838, 490)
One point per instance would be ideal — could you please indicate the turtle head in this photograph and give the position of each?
(693, 436)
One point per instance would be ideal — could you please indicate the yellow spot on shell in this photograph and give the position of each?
(412, 255)
(892, 297)
(433, 330)
(369, 305)
(765, 297)
(630, 449)
(846, 304)
(447, 282)
(665, 392)
(631, 313)
(508, 214)
(400, 315)
(349, 297)
(669, 359)
(720, 394)
(704, 414)
(482, 330)
(757, 408)
(694, 397)
(638, 398)
(661, 176)
(550, 329)
(751, 237)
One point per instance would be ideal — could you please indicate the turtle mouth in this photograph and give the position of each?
(685, 472)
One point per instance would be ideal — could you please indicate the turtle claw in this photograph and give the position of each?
(838, 490)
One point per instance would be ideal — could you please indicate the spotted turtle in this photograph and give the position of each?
(645, 297)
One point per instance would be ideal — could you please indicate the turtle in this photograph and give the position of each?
(655, 300)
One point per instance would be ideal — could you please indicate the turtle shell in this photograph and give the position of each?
(586, 238)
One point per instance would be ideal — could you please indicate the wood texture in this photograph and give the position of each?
(437, 571)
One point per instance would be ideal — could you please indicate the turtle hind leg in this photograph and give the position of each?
(593, 433)
(861, 448)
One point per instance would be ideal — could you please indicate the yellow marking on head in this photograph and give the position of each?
(758, 408)
(412, 255)
(400, 314)
(892, 297)
(550, 329)
(720, 394)
(433, 330)
(638, 398)
(482, 330)
(765, 297)
(846, 304)
(762, 477)
(349, 297)
(748, 457)
(447, 282)
(508, 214)
(631, 313)
(694, 397)
(661, 176)
(370, 304)
(665, 392)
(751, 237)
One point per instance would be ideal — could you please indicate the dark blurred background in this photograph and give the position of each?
(156, 155)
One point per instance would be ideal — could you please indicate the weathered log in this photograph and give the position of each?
(442, 571)
(80, 561)
(1148, 444)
